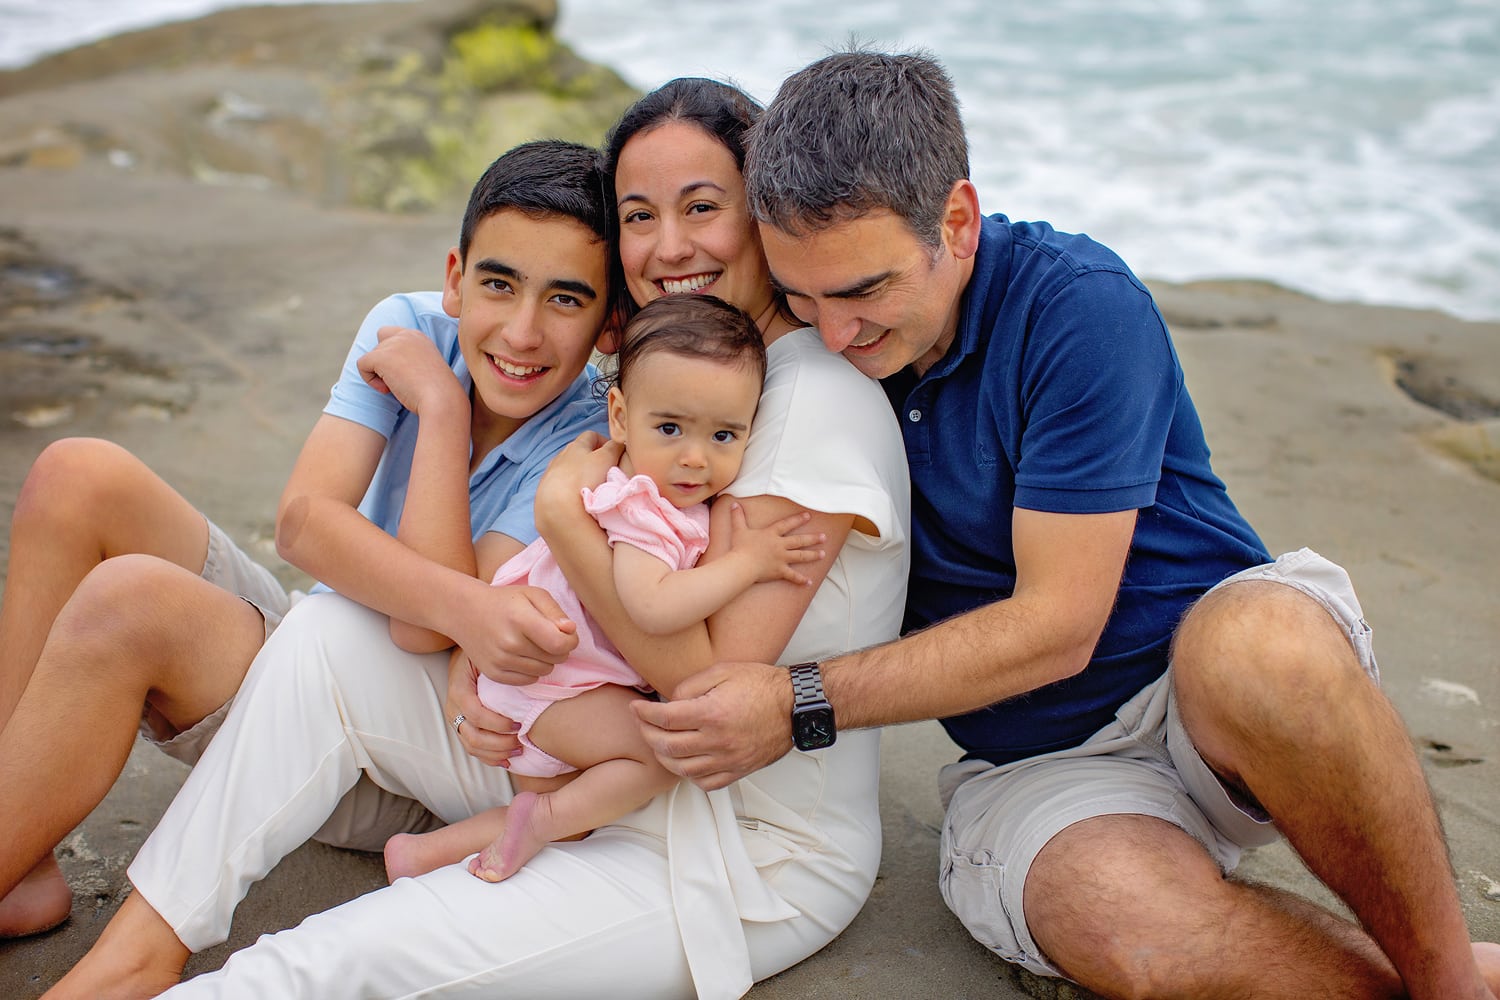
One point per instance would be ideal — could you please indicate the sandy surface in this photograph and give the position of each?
(200, 324)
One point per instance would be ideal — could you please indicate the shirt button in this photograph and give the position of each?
(914, 416)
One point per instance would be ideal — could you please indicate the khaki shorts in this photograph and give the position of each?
(999, 818)
(368, 815)
(228, 567)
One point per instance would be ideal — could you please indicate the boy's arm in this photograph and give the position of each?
(662, 601)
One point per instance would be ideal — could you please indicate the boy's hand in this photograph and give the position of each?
(408, 366)
(773, 551)
(515, 634)
(488, 736)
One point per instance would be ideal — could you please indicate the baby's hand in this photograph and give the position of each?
(774, 550)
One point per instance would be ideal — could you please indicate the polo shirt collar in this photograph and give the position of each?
(977, 307)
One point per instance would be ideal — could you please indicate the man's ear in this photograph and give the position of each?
(616, 414)
(453, 283)
(961, 219)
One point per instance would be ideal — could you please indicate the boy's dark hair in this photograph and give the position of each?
(694, 326)
(546, 177)
(855, 132)
(550, 177)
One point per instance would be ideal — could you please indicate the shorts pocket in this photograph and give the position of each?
(971, 886)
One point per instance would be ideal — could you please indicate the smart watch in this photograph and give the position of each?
(812, 716)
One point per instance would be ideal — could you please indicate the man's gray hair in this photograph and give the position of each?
(855, 132)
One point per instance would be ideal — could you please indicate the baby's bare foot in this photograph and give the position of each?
(39, 903)
(524, 836)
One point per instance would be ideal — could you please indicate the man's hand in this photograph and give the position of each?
(513, 635)
(722, 723)
(408, 366)
(488, 736)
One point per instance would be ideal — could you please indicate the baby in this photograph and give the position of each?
(683, 397)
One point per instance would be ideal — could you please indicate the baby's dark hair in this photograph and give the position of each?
(694, 326)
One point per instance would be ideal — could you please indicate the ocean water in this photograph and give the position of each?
(1349, 149)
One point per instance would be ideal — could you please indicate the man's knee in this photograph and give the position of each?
(1110, 899)
(1261, 640)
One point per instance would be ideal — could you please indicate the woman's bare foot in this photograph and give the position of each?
(526, 833)
(39, 903)
(137, 956)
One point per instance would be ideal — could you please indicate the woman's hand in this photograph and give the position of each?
(488, 736)
(584, 463)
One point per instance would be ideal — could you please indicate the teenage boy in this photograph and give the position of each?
(1139, 690)
(121, 595)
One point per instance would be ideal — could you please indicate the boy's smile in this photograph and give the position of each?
(530, 301)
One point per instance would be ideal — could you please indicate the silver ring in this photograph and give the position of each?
(458, 720)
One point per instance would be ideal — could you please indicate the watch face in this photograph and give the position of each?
(812, 728)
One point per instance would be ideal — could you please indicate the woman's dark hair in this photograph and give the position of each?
(722, 111)
(692, 326)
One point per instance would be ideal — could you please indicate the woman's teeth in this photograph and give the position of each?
(676, 286)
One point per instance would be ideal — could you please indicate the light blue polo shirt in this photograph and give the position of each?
(503, 486)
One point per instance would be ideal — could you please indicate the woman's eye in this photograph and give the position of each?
(639, 215)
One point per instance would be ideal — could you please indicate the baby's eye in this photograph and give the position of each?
(725, 437)
(668, 429)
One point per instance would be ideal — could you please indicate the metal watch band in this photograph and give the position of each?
(807, 684)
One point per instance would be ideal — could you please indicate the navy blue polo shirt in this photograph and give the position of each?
(1062, 393)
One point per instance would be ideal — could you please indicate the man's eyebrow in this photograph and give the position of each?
(576, 286)
(850, 291)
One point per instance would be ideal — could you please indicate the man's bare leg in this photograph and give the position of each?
(84, 500)
(137, 956)
(1275, 700)
(1133, 906)
(137, 629)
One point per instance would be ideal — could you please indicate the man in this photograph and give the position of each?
(1066, 520)
(119, 594)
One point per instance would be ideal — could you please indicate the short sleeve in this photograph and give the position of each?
(631, 510)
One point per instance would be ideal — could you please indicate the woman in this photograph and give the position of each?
(696, 893)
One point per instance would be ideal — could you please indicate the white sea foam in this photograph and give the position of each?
(1349, 150)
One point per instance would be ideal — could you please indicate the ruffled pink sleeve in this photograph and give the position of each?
(631, 510)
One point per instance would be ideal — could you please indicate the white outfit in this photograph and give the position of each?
(695, 893)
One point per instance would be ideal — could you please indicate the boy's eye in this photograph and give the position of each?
(496, 284)
(563, 299)
(725, 437)
(668, 429)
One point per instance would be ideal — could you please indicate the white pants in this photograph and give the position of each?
(330, 697)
